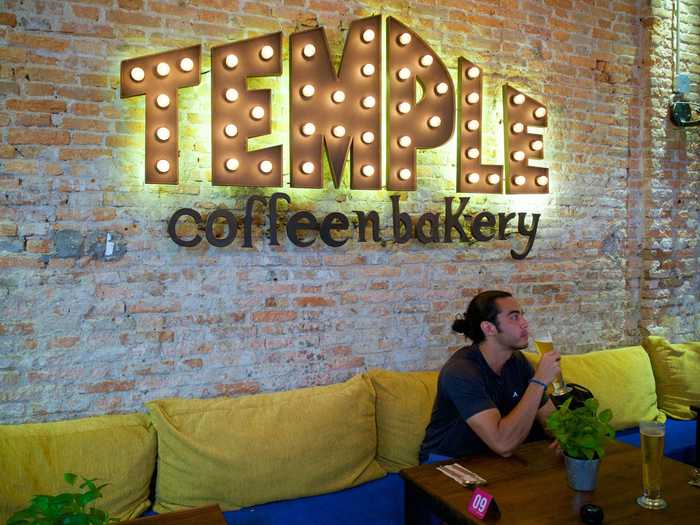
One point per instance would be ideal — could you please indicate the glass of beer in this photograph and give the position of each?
(652, 436)
(544, 344)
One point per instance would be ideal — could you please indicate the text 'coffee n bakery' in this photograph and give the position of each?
(341, 112)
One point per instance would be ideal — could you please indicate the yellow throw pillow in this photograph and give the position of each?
(404, 404)
(119, 450)
(244, 451)
(677, 372)
(621, 379)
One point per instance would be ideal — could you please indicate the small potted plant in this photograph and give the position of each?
(582, 434)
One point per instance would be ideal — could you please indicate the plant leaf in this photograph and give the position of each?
(70, 478)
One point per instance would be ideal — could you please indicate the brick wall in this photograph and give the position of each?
(616, 255)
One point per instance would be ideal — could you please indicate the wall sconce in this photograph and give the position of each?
(343, 113)
(427, 123)
(520, 113)
(472, 175)
(158, 77)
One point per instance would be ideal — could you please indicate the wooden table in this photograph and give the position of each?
(210, 515)
(530, 487)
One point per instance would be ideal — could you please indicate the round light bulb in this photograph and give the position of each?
(162, 101)
(518, 156)
(266, 166)
(231, 61)
(367, 170)
(518, 127)
(232, 164)
(163, 69)
(473, 153)
(163, 134)
(404, 73)
(163, 166)
(442, 88)
(368, 35)
(307, 168)
(137, 74)
(368, 70)
(473, 72)
(473, 125)
(404, 39)
(473, 178)
(536, 145)
(434, 121)
(540, 112)
(518, 99)
(404, 174)
(368, 137)
(519, 180)
(542, 180)
(405, 141)
(187, 64)
(338, 131)
(266, 53)
(404, 107)
(369, 102)
(308, 129)
(257, 112)
(338, 96)
(308, 91)
(231, 94)
(426, 60)
(309, 50)
(231, 130)
(493, 178)
(473, 98)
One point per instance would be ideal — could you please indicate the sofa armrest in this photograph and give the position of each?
(696, 409)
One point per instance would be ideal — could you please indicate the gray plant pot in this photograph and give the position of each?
(582, 473)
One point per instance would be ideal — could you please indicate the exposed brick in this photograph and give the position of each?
(110, 386)
(38, 136)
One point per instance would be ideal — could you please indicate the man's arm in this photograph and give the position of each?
(543, 413)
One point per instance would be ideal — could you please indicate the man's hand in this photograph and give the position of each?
(557, 448)
(549, 367)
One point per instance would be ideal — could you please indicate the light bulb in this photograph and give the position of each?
(308, 129)
(368, 70)
(426, 60)
(404, 39)
(368, 137)
(162, 101)
(338, 96)
(542, 180)
(231, 61)
(405, 141)
(187, 64)
(404, 174)
(519, 180)
(518, 127)
(473, 178)
(137, 74)
(308, 91)
(434, 121)
(472, 98)
(338, 131)
(367, 170)
(163, 134)
(232, 164)
(163, 166)
(309, 50)
(536, 145)
(266, 166)
(473, 72)
(404, 107)
(518, 99)
(442, 88)
(266, 53)
(518, 156)
(231, 130)
(493, 178)
(473, 125)
(473, 153)
(163, 69)
(307, 168)
(540, 112)
(404, 73)
(367, 35)
(231, 94)
(369, 102)
(257, 112)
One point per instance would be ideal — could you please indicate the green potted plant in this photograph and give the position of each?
(582, 434)
(68, 508)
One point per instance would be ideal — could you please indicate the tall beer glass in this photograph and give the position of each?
(544, 344)
(652, 436)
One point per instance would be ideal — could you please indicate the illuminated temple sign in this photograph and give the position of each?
(341, 112)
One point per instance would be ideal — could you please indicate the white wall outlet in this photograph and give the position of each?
(109, 246)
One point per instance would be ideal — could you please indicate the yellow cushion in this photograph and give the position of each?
(119, 450)
(621, 380)
(677, 372)
(404, 404)
(244, 451)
